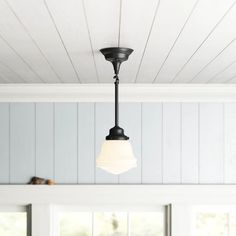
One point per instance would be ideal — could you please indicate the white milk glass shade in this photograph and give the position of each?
(116, 157)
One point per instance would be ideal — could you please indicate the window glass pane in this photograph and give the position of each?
(147, 223)
(233, 224)
(211, 224)
(76, 224)
(110, 224)
(13, 223)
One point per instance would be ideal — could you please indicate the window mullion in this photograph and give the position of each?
(128, 223)
(93, 224)
(41, 219)
(228, 224)
(29, 220)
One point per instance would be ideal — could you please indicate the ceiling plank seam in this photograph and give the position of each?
(213, 59)
(221, 72)
(14, 72)
(230, 79)
(32, 39)
(61, 39)
(24, 61)
(90, 41)
(206, 38)
(149, 35)
(174, 43)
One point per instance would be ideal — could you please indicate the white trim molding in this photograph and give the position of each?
(128, 93)
(106, 195)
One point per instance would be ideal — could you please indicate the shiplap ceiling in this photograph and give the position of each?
(58, 41)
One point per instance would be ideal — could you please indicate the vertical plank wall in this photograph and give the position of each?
(174, 142)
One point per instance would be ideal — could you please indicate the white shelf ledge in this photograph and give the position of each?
(117, 194)
(47, 201)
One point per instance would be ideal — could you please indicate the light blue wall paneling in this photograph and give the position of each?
(189, 142)
(173, 142)
(211, 146)
(230, 142)
(66, 142)
(86, 143)
(45, 140)
(22, 142)
(152, 143)
(130, 120)
(4, 143)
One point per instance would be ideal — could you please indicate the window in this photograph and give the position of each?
(107, 223)
(13, 221)
(101, 210)
(215, 221)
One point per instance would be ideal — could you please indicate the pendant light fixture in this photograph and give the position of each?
(116, 154)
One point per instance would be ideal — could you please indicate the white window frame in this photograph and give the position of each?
(44, 199)
(14, 208)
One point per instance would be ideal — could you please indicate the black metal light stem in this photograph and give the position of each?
(116, 100)
(116, 56)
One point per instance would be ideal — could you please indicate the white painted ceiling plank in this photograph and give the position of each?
(13, 61)
(182, 41)
(36, 18)
(227, 57)
(9, 75)
(136, 21)
(3, 80)
(170, 18)
(15, 35)
(225, 75)
(232, 80)
(195, 33)
(71, 22)
(219, 40)
(103, 22)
